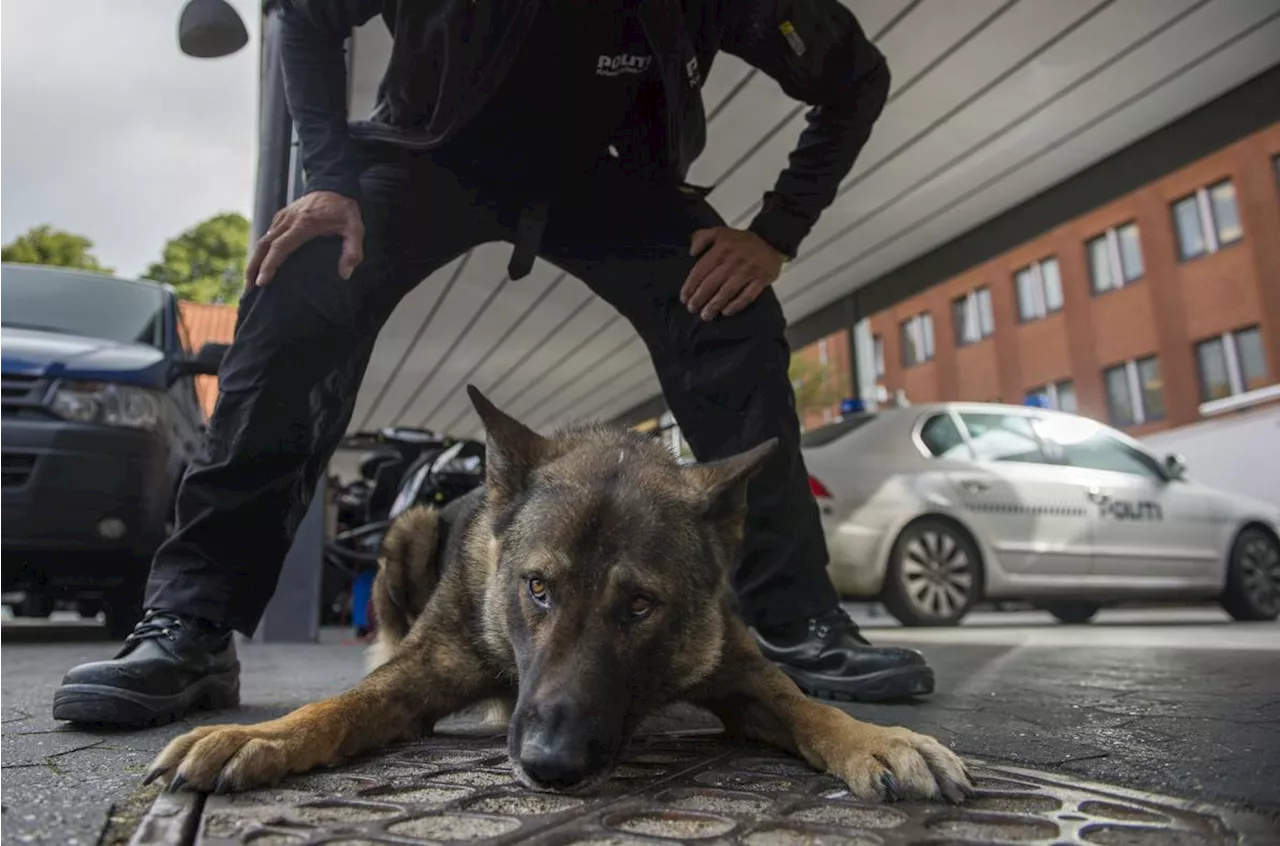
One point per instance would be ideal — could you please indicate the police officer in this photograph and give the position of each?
(565, 128)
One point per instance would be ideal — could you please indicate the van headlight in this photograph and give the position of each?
(107, 404)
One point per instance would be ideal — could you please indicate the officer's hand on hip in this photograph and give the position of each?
(311, 216)
(735, 267)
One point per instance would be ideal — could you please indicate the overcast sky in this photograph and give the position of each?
(110, 131)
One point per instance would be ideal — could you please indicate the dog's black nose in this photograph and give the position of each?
(552, 765)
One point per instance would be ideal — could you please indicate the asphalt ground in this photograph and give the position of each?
(1180, 702)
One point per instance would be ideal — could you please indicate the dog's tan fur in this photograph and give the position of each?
(605, 518)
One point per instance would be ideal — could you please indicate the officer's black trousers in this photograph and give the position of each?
(302, 343)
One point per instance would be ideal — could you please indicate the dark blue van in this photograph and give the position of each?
(99, 420)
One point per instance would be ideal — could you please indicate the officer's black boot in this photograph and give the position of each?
(169, 665)
(829, 657)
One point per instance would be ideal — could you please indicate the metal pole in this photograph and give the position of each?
(275, 128)
(293, 614)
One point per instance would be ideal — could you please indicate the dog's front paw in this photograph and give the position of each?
(887, 764)
(221, 759)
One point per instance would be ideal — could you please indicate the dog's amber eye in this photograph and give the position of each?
(538, 589)
(640, 606)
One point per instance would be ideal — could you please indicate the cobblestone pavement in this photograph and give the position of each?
(671, 789)
(1177, 703)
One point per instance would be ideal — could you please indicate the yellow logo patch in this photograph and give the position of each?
(788, 31)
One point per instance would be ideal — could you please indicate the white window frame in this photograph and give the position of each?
(972, 305)
(1208, 223)
(919, 328)
(1039, 302)
(1234, 377)
(823, 356)
(1114, 263)
(877, 354)
(1135, 392)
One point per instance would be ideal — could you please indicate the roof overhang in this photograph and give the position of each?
(993, 102)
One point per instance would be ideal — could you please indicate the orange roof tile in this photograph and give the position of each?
(208, 322)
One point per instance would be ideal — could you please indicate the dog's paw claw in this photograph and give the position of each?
(892, 790)
(898, 764)
(153, 774)
(224, 759)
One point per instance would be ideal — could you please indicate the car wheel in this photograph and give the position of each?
(935, 574)
(1073, 612)
(39, 605)
(1253, 577)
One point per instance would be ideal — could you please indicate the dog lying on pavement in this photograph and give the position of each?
(588, 581)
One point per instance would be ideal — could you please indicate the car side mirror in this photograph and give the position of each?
(206, 362)
(1176, 466)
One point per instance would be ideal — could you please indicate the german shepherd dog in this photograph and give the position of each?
(585, 585)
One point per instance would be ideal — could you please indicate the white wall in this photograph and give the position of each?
(1240, 453)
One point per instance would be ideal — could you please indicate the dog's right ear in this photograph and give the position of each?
(721, 486)
(512, 449)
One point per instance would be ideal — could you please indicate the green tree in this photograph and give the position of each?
(45, 245)
(816, 385)
(206, 263)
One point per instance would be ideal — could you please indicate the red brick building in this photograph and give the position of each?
(1148, 312)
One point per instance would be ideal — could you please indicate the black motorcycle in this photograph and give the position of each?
(406, 467)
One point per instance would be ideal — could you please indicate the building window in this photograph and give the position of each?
(1207, 220)
(823, 357)
(917, 339)
(1232, 363)
(877, 346)
(1135, 392)
(1039, 290)
(973, 317)
(1115, 258)
(1059, 395)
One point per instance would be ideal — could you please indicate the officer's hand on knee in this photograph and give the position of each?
(311, 216)
(728, 277)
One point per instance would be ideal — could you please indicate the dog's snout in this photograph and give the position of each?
(558, 746)
(552, 764)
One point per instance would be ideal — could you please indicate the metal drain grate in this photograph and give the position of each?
(678, 788)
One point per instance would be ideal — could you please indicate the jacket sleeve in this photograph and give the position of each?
(313, 52)
(818, 53)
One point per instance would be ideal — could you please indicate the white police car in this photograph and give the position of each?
(932, 508)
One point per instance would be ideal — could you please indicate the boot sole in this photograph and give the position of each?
(103, 705)
(883, 686)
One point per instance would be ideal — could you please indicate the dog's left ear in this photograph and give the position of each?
(720, 487)
(512, 451)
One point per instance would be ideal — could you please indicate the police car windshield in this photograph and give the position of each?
(87, 305)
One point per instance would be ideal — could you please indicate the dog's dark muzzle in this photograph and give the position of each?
(560, 746)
